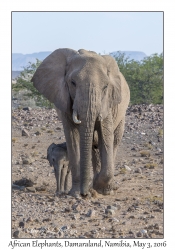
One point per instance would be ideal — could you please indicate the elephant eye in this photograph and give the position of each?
(73, 82)
(53, 159)
(105, 87)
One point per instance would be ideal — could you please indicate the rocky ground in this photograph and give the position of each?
(135, 210)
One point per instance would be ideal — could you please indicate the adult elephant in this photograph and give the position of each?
(92, 95)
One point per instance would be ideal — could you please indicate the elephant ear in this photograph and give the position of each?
(113, 73)
(49, 78)
(49, 153)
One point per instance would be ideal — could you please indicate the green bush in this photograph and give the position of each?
(145, 78)
(24, 83)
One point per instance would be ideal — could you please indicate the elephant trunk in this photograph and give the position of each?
(88, 117)
(85, 160)
(58, 178)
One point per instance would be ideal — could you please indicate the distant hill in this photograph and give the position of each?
(20, 60)
(15, 74)
(133, 55)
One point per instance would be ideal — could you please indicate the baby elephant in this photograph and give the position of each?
(57, 157)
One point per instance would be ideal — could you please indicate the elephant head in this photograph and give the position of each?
(85, 86)
(57, 157)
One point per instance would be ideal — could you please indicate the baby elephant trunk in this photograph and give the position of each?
(58, 178)
(60, 175)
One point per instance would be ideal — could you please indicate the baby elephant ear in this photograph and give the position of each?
(113, 73)
(49, 78)
(49, 152)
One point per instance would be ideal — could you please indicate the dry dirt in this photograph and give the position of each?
(135, 210)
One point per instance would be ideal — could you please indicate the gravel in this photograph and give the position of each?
(134, 210)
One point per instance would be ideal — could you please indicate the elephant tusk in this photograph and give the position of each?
(75, 119)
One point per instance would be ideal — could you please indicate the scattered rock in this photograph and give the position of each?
(139, 234)
(143, 231)
(40, 189)
(51, 199)
(27, 108)
(37, 133)
(16, 234)
(111, 207)
(55, 215)
(156, 226)
(18, 187)
(64, 228)
(58, 128)
(91, 213)
(127, 168)
(46, 219)
(110, 212)
(31, 189)
(132, 217)
(67, 209)
(27, 160)
(21, 224)
(138, 170)
(25, 182)
(30, 219)
(25, 132)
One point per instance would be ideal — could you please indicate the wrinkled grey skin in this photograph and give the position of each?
(91, 94)
(57, 157)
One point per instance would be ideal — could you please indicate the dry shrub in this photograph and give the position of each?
(151, 165)
(14, 140)
(145, 153)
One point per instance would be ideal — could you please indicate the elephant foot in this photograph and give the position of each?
(102, 187)
(75, 191)
(66, 191)
(59, 194)
(105, 191)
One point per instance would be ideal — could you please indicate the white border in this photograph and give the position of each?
(5, 96)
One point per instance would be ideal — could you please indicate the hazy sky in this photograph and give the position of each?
(102, 32)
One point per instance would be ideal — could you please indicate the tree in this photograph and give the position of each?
(24, 83)
(145, 78)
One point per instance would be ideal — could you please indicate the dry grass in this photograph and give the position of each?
(35, 153)
(50, 131)
(151, 165)
(161, 161)
(14, 140)
(160, 132)
(154, 198)
(145, 153)
(43, 129)
(148, 145)
(123, 171)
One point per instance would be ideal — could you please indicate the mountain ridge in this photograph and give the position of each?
(19, 60)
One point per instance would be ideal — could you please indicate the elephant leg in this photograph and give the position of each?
(63, 178)
(118, 134)
(73, 149)
(67, 181)
(96, 162)
(104, 179)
